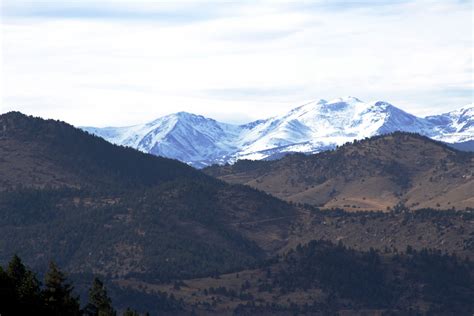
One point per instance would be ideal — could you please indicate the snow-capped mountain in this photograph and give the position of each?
(190, 138)
(324, 124)
(310, 128)
(454, 127)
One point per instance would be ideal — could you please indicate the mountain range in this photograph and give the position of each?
(310, 128)
(105, 209)
(165, 236)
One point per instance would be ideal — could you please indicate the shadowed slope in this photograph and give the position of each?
(101, 208)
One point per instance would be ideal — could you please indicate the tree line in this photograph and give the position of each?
(23, 294)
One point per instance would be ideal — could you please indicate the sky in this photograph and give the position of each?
(117, 63)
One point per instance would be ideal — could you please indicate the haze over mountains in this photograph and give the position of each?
(310, 128)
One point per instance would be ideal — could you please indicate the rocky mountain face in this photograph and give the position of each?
(454, 127)
(310, 128)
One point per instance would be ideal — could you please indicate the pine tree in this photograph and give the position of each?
(130, 312)
(57, 294)
(25, 283)
(8, 297)
(99, 302)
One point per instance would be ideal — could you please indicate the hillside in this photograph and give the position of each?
(47, 153)
(151, 227)
(321, 278)
(373, 174)
(109, 210)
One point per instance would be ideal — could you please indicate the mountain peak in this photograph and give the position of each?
(334, 104)
(312, 127)
(190, 117)
(322, 101)
(347, 99)
(382, 103)
(174, 118)
(184, 114)
(178, 115)
(12, 114)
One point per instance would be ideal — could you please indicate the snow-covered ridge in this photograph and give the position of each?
(456, 126)
(310, 128)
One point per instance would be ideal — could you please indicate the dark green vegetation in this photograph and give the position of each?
(321, 278)
(446, 230)
(168, 231)
(23, 294)
(42, 153)
(97, 208)
(117, 211)
(411, 279)
(151, 228)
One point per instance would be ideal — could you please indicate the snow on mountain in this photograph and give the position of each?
(454, 127)
(310, 128)
(190, 138)
(324, 124)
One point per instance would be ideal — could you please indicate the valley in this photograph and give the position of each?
(236, 158)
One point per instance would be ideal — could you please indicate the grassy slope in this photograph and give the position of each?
(372, 174)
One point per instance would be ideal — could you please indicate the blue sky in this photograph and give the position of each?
(125, 62)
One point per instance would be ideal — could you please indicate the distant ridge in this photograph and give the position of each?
(310, 128)
(158, 231)
(381, 172)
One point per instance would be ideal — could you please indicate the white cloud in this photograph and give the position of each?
(128, 62)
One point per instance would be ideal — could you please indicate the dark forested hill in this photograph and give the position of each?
(321, 278)
(109, 210)
(40, 153)
(373, 174)
(148, 225)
